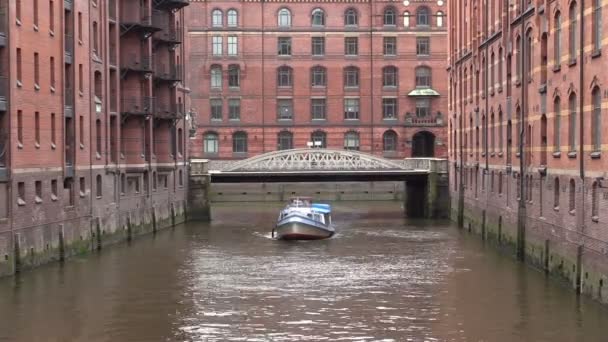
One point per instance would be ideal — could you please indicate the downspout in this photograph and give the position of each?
(371, 61)
(263, 80)
(461, 133)
(581, 157)
(487, 93)
(521, 213)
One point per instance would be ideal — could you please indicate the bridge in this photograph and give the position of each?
(426, 181)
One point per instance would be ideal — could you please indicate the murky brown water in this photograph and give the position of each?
(381, 278)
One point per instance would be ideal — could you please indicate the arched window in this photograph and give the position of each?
(572, 122)
(500, 68)
(318, 76)
(284, 17)
(389, 140)
(351, 77)
(351, 141)
(572, 193)
(597, 25)
(390, 16)
(233, 18)
(557, 124)
(422, 16)
(596, 133)
(518, 70)
(216, 76)
(284, 76)
(285, 140)
(440, 18)
(217, 18)
(528, 56)
(351, 17)
(389, 76)
(500, 132)
(318, 17)
(406, 19)
(543, 140)
(211, 143)
(572, 28)
(557, 39)
(423, 77)
(239, 142)
(319, 139)
(234, 76)
(98, 137)
(492, 133)
(556, 192)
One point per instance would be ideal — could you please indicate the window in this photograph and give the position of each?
(318, 46)
(53, 132)
(572, 199)
(285, 109)
(518, 69)
(351, 46)
(19, 68)
(557, 124)
(98, 186)
(285, 140)
(319, 139)
(390, 16)
(423, 46)
(284, 17)
(234, 76)
(423, 108)
(284, 46)
(36, 71)
(389, 76)
(500, 132)
(596, 133)
(423, 77)
(216, 109)
(389, 108)
(557, 40)
(21, 193)
(216, 76)
(351, 109)
(440, 19)
(389, 141)
(351, 141)
(81, 78)
(83, 187)
(284, 77)
(572, 123)
(351, 77)
(233, 18)
(406, 19)
(217, 18)
(233, 46)
(390, 46)
(318, 76)
(528, 56)
(318, 109)
(79, 26)
(572, 32)
(20, 128)
(52, 71)
(422, 16)
(98, 137)
(18, 11)
(595, 199)
(239, 142)
(180, 142)
(597, 25)
(211, 143)
(500, 68)
(81, 130)
(51, 16)
(35, 5)
(234, 109)
(54, 189)
(217, 45)
(37, 128)
(318, 17)
(350, 17)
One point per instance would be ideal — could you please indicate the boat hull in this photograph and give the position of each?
(299, 230)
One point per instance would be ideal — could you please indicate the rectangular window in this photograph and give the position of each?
(19, 69)
(234, 109)
(20, 128)
(423, 108)
(79, 26)
(83, 187)
(35, 6)
(54, 189)
(81, 130)
(37, 128)
(36, 71)
(18, 10)
(51, 16)
(285, 109)
(423, 46)
(284, 46)
(21, 193)
(38, 187)
(52, 67)
(80, 78)
(53, 133)
(351, 46)
(351, 109)
(216, 109)
(318, 109)
(318, 46)
(217, 45)
(233, 46)
(389, 108)
(390, 46)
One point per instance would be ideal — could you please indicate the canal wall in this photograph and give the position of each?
(544, 238)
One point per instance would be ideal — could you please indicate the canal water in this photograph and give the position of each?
(381, 278)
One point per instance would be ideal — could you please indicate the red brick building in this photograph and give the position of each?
(365, 75)
(92, 101)
(527, 131)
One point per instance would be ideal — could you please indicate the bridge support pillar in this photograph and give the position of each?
(199, 183)
(428, 198)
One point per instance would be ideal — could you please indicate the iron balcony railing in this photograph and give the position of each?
(168, 72)
(136, 62)
(169, 35)
(169, 110)
(137, 106)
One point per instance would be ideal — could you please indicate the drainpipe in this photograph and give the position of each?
(486, 79)
(263, 80)
(521, 213)
(371, 62)
(581, 157)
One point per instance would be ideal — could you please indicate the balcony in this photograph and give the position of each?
(170, 4)
(426, 121)
(168, 73)
(68, 102)
(4, 96)
(137, 106)
(137, 64)
(69, 48)
(169, 110)
(68, 5)
(169, 35)
(138, 22)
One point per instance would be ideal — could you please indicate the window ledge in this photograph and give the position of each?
(572, 212)
(595, 219)
(596, 155)
(38, 200)
(36, 87)
(555, 208)
(557, 154)
(19, 84)
(82, 194)
(596, 53)
(500, 154)
(37, 145)
(572, 62)
(572, 154)
(20, 202)
(53, 198)
(52, 89)
(557, 68)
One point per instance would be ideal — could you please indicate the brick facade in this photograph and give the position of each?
(517, 70)
(85, 161)
(247, 36)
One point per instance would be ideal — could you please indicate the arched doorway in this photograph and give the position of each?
(423, 145)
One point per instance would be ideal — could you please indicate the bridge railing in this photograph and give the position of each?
(428, 164)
